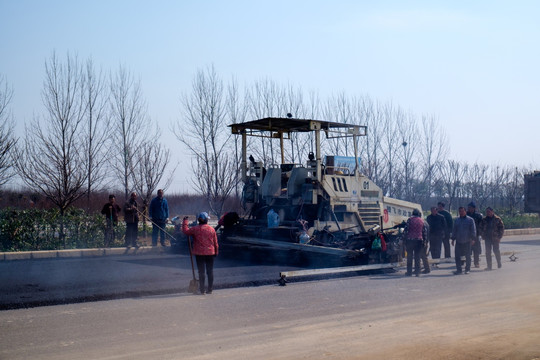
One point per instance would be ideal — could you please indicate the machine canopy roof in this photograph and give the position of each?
(290, 125)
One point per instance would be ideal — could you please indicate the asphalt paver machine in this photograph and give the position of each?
(323, 205)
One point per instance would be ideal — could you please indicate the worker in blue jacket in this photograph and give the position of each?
(159, 214)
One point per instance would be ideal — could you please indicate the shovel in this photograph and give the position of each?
(194, 283)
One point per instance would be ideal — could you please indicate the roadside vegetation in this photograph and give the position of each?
(520, 221)
(30, 223)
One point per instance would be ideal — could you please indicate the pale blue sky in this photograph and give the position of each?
(473, 64)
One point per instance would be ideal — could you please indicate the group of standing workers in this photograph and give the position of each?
(158, 213)
(205, 244)
(466, 233)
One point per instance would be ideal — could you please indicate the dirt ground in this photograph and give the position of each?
(508, 329)
(501, 321)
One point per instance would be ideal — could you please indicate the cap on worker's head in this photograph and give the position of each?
(416, 212)
(472, 204)
(203, 216)
(112, 196)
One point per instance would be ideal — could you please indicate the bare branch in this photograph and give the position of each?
(130, 124)
(96, 138)
(150, 168)
(7, 140)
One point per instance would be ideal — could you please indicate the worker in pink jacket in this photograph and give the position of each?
(205, 249)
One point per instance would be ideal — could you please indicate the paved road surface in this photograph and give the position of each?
(37, 282)
(27, 283)
(50, 281)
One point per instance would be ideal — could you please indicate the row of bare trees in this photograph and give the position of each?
(500, 187)
(405, 154)
(94, 131)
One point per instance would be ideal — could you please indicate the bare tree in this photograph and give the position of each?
(339, 108)
(371, 144)
(150, 167)
(433, 151)
(499, 176)
(202, 131)
(453, 176)
(478, 184)
(312, 110)
(266, 99)
(96, 138)
(407, 128)
(237, 112)
(7, 140)
(390, 145)
(295, 107)
(313, 107)
(130, 124)
(514, 190)
(51, 159)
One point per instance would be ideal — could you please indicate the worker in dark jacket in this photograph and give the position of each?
(111, 210)
(437, 231)
(463, 234)
(449, 226)
(476, 246)
(425, 250)
(492, 230)
(159, 214)
(131, 217)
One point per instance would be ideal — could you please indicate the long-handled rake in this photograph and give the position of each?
(156, 225)
(194, 283)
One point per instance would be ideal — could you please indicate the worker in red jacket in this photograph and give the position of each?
(205, 249)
